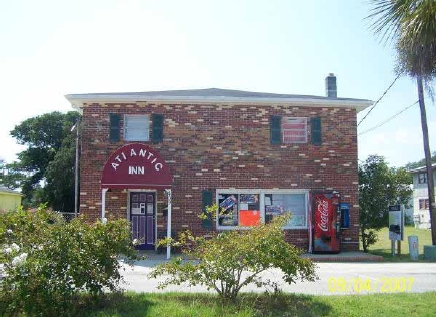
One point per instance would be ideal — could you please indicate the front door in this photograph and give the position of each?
(142, 218)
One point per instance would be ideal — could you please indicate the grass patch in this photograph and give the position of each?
(383, 245)
(206, 305)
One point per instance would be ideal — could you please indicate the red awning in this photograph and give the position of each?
(136, 166)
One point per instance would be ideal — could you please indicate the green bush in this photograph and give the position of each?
(234, 259)
(48, 262)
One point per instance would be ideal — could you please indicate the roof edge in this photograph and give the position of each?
(77, 100)
(11, 192)
(421, 169)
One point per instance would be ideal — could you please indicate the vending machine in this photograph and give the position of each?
(326, 222)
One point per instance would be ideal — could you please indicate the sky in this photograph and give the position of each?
(52, 48)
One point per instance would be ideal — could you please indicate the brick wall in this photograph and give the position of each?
(226, 146)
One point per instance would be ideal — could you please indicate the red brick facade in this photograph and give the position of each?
(221, 146)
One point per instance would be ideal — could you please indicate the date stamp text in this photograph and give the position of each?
(376, 285)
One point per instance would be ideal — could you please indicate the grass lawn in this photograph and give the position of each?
(203, 305)
(383, 245)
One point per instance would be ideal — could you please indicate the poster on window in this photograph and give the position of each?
(243, 206)
(274, 210)
(248, 198)
(228, 203)
(249, 218)
(150, 209)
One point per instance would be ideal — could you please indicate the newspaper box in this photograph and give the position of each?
(413, 248)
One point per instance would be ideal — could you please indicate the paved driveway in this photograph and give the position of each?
(334, 279)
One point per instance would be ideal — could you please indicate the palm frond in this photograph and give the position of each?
(388, 16)
(412, 25)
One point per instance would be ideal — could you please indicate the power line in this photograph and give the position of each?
(387, 120)
(381, 97)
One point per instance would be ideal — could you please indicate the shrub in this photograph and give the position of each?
(234, 259)
(48, 262)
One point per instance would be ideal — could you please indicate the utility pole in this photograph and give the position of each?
(430, 183)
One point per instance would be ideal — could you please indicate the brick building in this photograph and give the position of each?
(257, 155)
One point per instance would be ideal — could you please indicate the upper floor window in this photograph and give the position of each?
(294, 130)
(423, 204)
(288, 130)
(422, 178)
(136, 128)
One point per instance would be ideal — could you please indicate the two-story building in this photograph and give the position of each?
(256, 155)
(421, 213)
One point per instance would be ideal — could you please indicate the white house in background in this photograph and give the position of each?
(421, 214)
(409, 212)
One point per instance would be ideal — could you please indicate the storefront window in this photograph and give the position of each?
(281, 204)
(246, 209)
(238, 210)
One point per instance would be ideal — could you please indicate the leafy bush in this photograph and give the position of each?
(234, 259)
(48, 262)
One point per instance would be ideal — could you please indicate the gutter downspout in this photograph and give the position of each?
(169, 194)
(76, 172)
(103, 204)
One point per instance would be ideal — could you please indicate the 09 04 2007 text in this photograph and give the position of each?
(376, 285)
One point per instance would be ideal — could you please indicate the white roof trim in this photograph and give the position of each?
(77, 101)
(422, 169)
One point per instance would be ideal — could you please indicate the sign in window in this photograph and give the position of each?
(294, 130)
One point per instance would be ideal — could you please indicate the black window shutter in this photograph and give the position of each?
(157, 128)
(275, 128)
(114, 131)
(206, 200)
(315, 130)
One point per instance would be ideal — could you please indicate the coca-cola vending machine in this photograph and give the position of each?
(326, 220)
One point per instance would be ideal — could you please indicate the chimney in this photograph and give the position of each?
(331, 90)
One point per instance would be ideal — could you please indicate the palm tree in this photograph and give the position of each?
(412, 25)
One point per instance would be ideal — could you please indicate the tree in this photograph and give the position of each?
(232, 260)
(379, 186)
(420, 163)
(11, 175)
(45, 170)
(412, 24)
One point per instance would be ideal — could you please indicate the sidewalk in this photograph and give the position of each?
(356, 256)
(340, 257)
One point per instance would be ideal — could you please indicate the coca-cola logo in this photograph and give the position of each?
(323, 210)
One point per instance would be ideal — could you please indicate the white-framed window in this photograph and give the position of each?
(136, 127)
(422, 178)
(243, 208)
(294, 130)
(423, 204)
